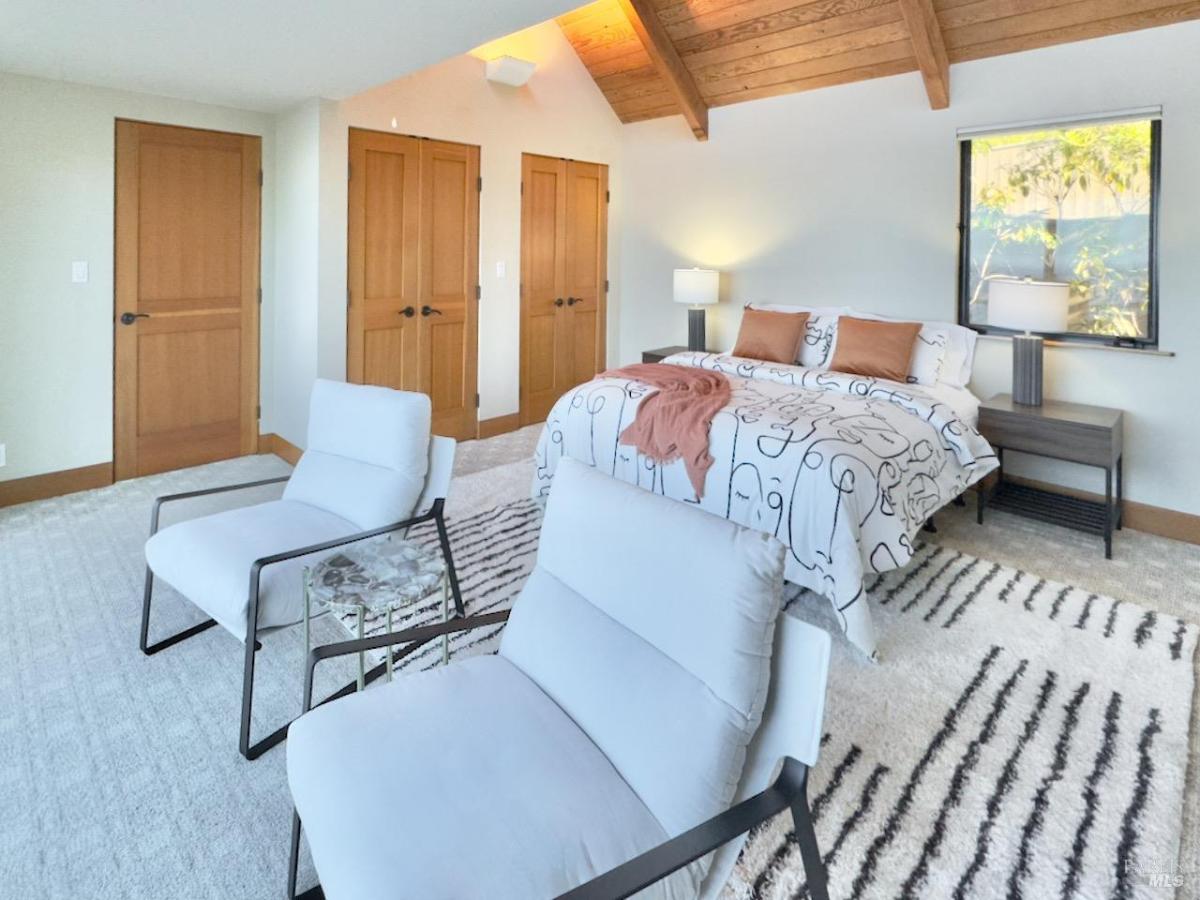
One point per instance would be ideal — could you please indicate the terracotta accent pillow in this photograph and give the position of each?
(770, 336)
(873, 348)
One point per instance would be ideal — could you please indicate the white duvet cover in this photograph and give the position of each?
(843, 469)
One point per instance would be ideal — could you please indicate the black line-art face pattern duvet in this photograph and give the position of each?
(843, 469)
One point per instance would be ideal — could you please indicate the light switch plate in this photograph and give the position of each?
(501, 268)
(79, 272)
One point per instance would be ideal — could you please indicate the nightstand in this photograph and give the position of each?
(1089, 435)
(657, 356)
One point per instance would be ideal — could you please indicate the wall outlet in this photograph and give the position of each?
(79, 272)
(3, 456)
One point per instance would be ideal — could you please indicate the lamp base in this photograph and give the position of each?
(696, 329)
(1027, 369)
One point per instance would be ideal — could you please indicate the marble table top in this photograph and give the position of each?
(376, 575)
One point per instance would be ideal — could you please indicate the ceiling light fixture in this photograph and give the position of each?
(510, 70)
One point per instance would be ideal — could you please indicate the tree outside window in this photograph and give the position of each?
(1076, 205)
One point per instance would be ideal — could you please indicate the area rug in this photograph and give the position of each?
(1019, 738)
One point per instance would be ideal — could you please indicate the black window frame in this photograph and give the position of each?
(1150, 342)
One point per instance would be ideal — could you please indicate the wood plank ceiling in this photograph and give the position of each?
(736, 50)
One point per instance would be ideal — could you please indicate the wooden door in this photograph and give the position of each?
(545, 364)
(383, 261)
(448, 320)
(564, 226)
(186, 297)
(413, 271)
(584, 266)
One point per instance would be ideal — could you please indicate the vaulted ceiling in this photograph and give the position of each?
(655, 58)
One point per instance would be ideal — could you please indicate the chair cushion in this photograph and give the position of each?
(650, 623)
(367, 453)
(460, 782)
(208, 559)
(791, 725)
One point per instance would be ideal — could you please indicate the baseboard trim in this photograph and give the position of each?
(285, 450)
(1156, 520)
(499, 425)
(55, 484)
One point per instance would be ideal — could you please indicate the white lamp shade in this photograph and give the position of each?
(510, 70)
(1026, 305)
(697, 287)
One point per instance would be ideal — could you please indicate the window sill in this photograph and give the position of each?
(1086, 345)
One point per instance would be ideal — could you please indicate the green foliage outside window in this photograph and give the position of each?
(1067, 204)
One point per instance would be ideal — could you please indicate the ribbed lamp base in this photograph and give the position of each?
(1027, 369)
(696, 329)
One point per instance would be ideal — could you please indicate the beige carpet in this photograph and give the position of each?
(120, 773)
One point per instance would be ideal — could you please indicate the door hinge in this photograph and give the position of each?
(349, 169)
(608, 196)
(347, 298)
(479, 183)
(260, 180)
(258, 412)
(522, 189)
(477, 401)
(260, 295)
(478, 292)
(606, 285)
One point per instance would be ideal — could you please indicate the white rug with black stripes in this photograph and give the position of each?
(1019, 739)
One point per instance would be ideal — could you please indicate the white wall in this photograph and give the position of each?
(293, 327)
(850, 195)
(56, 206)
(560, 112)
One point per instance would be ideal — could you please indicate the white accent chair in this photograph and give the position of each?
(598, 753)
(370, 468)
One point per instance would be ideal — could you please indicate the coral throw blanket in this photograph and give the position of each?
(673, 422)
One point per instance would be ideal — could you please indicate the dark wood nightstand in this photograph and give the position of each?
(657, 356)
(1089, 435)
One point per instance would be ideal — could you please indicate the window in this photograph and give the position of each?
(1075, 203)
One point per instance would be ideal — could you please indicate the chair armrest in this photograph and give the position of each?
(418, 636)
(641, 871)
(187, 495)
(259, 564)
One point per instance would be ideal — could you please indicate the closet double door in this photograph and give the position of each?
(564, 226)
(413, 271)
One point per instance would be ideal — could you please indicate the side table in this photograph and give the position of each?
(1089, 435)
(376, 577)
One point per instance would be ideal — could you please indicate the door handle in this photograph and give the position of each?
(571, 301)
(558, 301)
(428, 310)
(128, 318)
(408, 312)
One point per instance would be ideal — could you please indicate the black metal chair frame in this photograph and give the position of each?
(789, 791)
(251, 752)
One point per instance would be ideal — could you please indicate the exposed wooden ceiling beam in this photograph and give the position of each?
(644, 18)
(930, 49)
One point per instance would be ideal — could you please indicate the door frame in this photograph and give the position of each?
(475, 251)
(602, 292)
(125, 254)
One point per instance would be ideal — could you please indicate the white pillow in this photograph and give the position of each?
(929, 355)
(959, 361)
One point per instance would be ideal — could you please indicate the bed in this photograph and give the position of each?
(843, 469)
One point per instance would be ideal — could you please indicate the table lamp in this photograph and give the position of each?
(698, 289)
(1029, 306)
